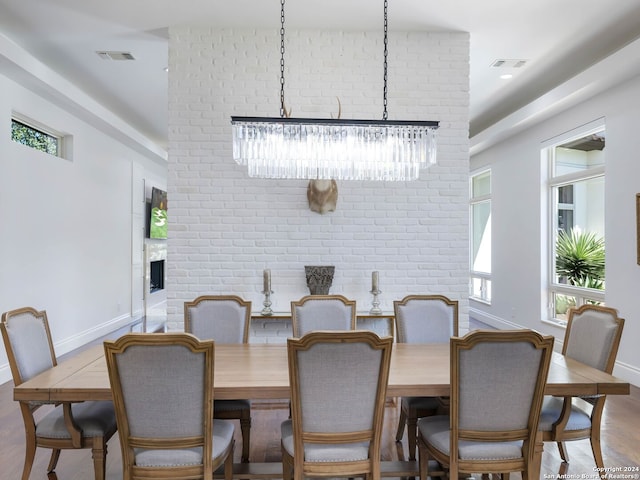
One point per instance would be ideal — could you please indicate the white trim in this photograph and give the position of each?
(492, 320)
(626, 372)
(5, 373)
(583, 130)
(592, 81)
(69, 344)
(20, 66)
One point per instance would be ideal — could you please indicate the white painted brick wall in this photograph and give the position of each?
(225, 227)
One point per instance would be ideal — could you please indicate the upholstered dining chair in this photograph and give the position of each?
(27, 340)
(162, 386)
(338, 385)
(422, 319)
(224, 319)
(497, 385)
(592, 337)
(322, 312)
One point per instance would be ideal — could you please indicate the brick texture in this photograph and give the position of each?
(225, 228)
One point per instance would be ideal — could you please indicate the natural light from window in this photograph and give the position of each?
(576, 189)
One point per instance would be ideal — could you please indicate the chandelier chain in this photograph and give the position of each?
(384, 91)
(282, 108)
(333, 149)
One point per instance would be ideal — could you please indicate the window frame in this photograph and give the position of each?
(483, 277)
(582, 295)
(62, 140)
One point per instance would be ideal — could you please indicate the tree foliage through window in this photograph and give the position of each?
(34, 138)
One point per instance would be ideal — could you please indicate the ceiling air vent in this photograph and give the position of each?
(509, 63)
(112, 55)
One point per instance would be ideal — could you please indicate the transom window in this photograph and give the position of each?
(36, 138)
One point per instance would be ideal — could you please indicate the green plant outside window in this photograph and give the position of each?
(34, 138)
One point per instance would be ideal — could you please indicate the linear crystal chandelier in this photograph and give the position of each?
(339, 149)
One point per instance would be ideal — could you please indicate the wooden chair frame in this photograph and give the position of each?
(299, 303)
(528, 435)
(558, 433)
(128, 442)
(408, 415)
(98, 445)
(241, 414)
(297, 468)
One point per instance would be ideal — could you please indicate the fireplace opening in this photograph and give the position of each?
(156, 279)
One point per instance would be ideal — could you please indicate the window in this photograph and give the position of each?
(576, 226)
(38, 138)
(480, 213)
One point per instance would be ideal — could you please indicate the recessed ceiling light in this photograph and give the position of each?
(506, 76)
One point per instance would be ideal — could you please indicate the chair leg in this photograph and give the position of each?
(401, 423)
(99, 454)
(287, 466)
(423, 461)
(564, 455)
(245, 427)
(55, 455)
(412, 432)
(228, 466)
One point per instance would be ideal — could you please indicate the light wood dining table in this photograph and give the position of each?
(260, 371)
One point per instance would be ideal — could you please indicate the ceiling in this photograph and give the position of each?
(557, 38)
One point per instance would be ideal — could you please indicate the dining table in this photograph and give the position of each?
(256, 371)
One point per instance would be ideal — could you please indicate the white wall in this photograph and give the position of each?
(225, 228)
(518, 219)
(66, 241)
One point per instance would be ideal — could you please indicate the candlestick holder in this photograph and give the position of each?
(375, 309)
(266, 311)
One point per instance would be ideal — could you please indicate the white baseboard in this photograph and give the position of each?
(492, 320)
(77, 341)
(627, 372)
(5, 373)
(621, 370)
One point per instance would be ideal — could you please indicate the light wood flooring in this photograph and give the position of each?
(620, 439)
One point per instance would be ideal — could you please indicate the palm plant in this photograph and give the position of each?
(580, 258)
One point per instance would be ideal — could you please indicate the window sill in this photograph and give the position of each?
(480, 300)
(555, 323)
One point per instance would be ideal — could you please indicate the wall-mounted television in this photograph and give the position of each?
(158, 214)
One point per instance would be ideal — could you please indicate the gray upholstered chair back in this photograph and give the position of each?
(500, 379)
(162, 386)
(426, 319)
(339, 381)
(223, 318)
(163, 390)
(593, 335)
(322, 312)
(27, 337)
(513, 372)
